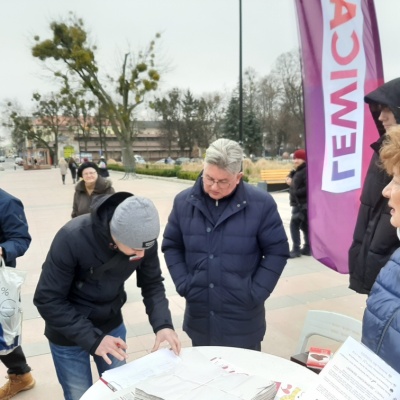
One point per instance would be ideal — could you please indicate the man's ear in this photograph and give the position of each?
(239, 177)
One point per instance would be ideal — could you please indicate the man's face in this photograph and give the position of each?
(387, 117)
(219, 183)
(135, 254)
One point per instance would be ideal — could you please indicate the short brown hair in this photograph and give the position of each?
(390, 150)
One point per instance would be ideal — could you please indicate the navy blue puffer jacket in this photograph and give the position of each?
(227, 269)
(14, 236)
(381, 323)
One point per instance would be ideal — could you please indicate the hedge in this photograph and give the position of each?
(176, 172)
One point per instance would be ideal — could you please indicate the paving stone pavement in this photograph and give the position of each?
(305, 283)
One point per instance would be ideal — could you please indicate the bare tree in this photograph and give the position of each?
(138, 75)
(287, 71)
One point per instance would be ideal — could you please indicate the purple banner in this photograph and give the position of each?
(341, 60)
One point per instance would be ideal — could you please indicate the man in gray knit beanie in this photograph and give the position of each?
(80, 292)
(135, 223)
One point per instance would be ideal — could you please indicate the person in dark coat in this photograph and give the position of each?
(14, 242)
(72, 165)
(225, 248)
(297, 181)
(80, 291)
(381, 322)
(88, 187)
(103, 171)
(374, 238)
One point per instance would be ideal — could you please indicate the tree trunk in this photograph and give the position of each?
(128, 160)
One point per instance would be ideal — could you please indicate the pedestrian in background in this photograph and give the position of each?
(81, 292)
(14, 242)
(72, 165)
(90, 186)
(225, 248)
(374, 238)
(103, 170)
(297, 181)
(63, 165)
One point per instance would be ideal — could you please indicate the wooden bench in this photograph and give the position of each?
(35, 167)
(271, 176)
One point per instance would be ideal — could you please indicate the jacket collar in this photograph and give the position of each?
(237, 202)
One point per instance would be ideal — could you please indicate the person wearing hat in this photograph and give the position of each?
(90, 185)
(297, 181)
(374, 238)
(80, 291)
(103, 171)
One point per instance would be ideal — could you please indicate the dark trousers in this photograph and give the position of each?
(299, 222)
(16, 362)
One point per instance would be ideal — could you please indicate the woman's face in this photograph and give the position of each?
(89, 175)
(392, 192)
(297, 162)
(387, 117)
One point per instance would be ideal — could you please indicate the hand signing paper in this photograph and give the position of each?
(114, 346)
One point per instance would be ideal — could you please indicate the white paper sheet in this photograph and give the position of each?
(138, 370)
(196, 377)
(355, 373)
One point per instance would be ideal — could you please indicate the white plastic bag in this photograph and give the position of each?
(11, 280)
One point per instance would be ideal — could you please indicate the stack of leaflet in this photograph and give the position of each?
(198, 378)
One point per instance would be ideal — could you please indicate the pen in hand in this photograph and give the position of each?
(111, 387)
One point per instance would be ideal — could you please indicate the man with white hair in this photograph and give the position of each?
(225, 248)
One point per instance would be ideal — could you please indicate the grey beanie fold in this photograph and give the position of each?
(135, 223)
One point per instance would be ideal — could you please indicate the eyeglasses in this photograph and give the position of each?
(210, 182)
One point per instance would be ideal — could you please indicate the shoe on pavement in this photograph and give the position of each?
(295, 253)
(305, 251)
(16, 384)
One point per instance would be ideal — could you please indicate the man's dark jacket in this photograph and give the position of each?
(14, 235)
(374, 238)
(225, 265)
(80, 311)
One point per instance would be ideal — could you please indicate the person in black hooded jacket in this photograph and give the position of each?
(374, 238)
(80, 291)
(297, 181)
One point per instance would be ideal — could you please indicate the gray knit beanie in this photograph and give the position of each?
(135, 223)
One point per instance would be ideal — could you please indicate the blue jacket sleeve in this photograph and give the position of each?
(273, 242)
(174, 251)
(150, 280)
(15, 238)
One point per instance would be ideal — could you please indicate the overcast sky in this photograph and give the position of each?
(200, 38)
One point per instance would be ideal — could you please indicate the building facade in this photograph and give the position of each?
(88, 141)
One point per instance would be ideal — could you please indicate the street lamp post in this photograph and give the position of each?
(240, 77)
(79, 147)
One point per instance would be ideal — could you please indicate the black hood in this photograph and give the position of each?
(388, 94)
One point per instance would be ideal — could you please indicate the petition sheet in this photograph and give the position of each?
(355, 373)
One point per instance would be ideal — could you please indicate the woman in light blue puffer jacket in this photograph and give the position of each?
(381, 322)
